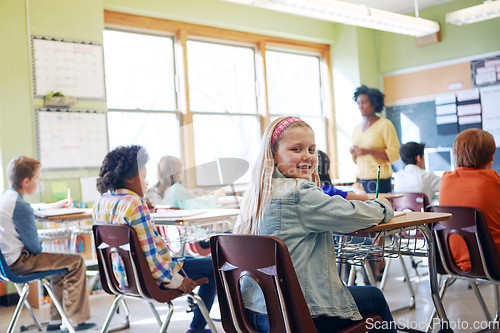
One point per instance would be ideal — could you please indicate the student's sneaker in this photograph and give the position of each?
(54, 326)
(79, 327)
(204, 331)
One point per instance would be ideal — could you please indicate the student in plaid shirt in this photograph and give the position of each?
(122, 184)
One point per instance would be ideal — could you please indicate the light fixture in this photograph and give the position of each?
(486, 11)
(351, 14)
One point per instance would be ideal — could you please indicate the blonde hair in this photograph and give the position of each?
(258, 194)
(169, 173)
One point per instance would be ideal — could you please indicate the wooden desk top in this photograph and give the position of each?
(86, 214)
(371, 196)
(208, 215)
(410, 219)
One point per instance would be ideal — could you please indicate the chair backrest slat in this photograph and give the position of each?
(413, 201)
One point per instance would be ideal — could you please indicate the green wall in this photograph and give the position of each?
(398, 52)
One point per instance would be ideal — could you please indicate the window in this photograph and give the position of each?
(141, 94)
(294, 88)
(183, 72)
(223, 102)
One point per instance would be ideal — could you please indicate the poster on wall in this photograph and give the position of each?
(485, 72)
(490, 99)
(73, 68)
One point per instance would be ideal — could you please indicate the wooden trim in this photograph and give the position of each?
(169, 26)
(265, 118)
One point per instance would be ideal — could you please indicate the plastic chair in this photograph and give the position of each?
(21, 282)
(470, 224)
(122, 240)
(265, 259)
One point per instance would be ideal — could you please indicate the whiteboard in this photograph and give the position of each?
(76, 69)
(69, 139)
(490, 99)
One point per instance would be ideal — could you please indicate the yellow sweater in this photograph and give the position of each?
(381, 135)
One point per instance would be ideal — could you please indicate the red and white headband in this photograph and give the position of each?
(282, 125)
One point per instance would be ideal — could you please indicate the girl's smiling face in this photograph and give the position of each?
(296, 153)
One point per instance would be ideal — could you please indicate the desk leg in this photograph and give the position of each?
(434, 282)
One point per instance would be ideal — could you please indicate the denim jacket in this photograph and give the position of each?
(305, 218)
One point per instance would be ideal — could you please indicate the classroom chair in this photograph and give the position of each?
(21, 283)
(269, 263)
(121, 240)
(470, 224)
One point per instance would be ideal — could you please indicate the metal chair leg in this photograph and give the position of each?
(111, 312)
(165, 324)
(204, 311)
(155, 313)
(65, 320)
(30, 309)
(480, 299)
(444, 285)
(19, 306)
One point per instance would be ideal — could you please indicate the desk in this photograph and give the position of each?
(210, 222)
(388, 196)
(409, 221)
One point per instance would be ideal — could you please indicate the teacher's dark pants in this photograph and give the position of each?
(370, 185)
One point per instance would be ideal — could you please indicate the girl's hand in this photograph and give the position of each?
(384, 200)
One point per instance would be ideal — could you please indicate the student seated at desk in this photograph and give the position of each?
(284, 200)
(122, 183)
(170, 191)
(358, 192)
(414, 178)
(473, 184)
(22, 249)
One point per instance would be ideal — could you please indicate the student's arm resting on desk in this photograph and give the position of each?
(24, 222)
(154, 248)
(320, 212)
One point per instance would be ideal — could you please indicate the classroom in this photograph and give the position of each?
(202, 79)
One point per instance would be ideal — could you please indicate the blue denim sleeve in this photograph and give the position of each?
(24, 221)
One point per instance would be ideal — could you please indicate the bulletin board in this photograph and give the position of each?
(75, 139)
(75, 68)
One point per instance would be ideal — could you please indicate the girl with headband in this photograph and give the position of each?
(283, 200)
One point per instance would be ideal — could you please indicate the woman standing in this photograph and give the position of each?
(375, 142)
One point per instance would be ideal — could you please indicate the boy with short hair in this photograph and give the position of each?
(22, 249)
(413, 178)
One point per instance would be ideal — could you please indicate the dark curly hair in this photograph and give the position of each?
(119, 164)
(376, 96)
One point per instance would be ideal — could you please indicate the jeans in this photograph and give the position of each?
(369, 300)
(370, 185)
(196, 268)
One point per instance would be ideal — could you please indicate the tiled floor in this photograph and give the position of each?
(460, 303)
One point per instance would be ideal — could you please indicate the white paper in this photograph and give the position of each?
(486, 78)
(446, 119)
(490, 102)
(468, 95)
(89, 189)
(446, 98)
(469, 120)
(483, 70)
(446, 109)
(58, 212)
(470, 109)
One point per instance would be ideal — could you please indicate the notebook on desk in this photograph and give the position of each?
(57, 212)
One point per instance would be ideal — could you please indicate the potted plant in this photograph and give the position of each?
(57, 99)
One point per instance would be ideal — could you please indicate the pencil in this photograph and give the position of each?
(378, 180)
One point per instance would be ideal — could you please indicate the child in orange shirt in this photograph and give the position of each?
(473, 184)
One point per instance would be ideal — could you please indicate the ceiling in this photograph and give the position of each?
(397, 6)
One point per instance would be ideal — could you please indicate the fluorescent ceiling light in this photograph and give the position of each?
(486, 11)
(351, 14)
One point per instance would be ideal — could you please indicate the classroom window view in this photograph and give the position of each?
(224, 92)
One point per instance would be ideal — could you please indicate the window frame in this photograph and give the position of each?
(182, 32)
